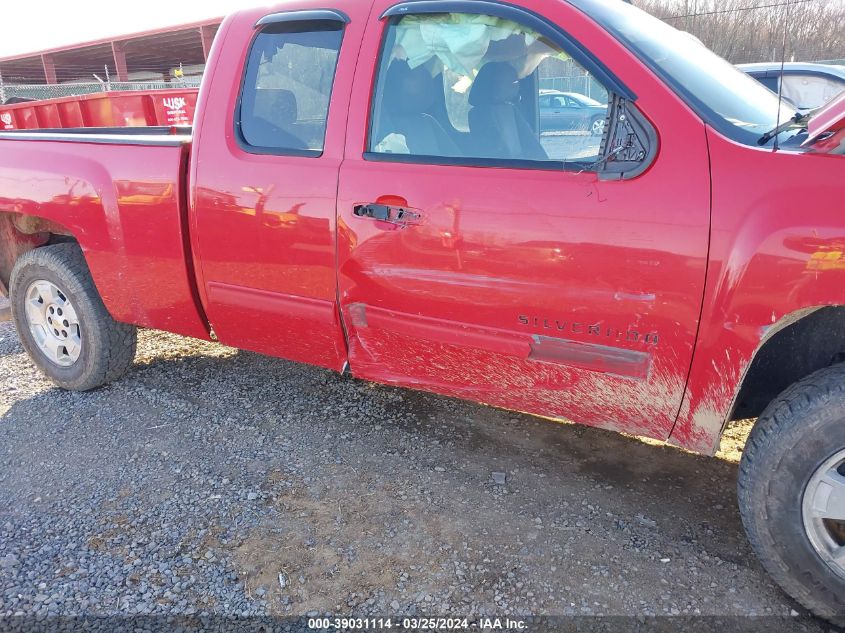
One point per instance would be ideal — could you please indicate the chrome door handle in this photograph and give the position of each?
(386, 213)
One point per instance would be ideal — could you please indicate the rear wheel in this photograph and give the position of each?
(597, 126)
(792, 491)
(62, 322)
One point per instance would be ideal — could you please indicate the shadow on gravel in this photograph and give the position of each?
(368, 497)
(688, 495)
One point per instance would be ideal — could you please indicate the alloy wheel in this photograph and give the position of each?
(824, 512)
(53, 323)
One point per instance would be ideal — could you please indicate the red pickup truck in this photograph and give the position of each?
(367, 188)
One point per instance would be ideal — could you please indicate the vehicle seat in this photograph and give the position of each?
(497, 127)
(276, 130)
(408, 96)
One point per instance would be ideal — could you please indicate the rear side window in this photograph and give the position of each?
(477, 88)
(287, 88)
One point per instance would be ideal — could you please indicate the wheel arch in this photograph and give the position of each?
(20, 233)
(798, 345)
(737, 381)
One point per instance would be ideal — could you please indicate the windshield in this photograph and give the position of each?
(727, 98)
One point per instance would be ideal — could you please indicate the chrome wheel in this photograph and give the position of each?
(824, 512)
(53, 323)
(597, 128)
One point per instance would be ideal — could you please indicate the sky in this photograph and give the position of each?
(27, 26)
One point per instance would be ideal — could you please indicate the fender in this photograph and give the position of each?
(777, 252)
(125, 209)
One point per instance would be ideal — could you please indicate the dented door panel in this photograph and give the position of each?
(549, 292)
(557, 305)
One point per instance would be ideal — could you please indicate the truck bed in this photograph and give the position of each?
(110, 108)
(121, 193)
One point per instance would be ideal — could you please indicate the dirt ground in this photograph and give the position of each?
(258, 486)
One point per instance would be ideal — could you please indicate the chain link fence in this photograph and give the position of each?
(53, 91)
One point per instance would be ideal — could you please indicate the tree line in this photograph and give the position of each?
(753, 30)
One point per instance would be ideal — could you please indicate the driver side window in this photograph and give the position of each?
(476, 88)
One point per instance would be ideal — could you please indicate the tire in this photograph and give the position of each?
(597, 126)
(799, 436)
(97, 349)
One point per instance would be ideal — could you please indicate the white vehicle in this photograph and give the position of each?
(808, 86)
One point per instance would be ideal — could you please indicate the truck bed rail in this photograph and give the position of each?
(153, 135)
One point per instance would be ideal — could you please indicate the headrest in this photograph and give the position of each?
(408, 90)
(284, 111)
(497, 82)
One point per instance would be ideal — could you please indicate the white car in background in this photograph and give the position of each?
(808, 86)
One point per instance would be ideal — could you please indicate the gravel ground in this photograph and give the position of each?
(212, 481)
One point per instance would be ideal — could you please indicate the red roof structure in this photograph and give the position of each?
(152, 53)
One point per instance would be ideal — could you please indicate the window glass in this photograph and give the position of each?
(288, 84)
(725, 96)
(809, 90)
(464, 86)
(770, 82)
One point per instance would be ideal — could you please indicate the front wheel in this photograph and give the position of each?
(792, 491)
(62, 322)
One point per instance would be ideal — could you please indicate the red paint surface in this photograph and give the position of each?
(826, 130)
(778, 247)
(103, 109)
(559, 247)
(830, 118)
(263, 226)
(123, 205)
(662, 293)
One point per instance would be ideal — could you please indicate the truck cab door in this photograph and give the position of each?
(265, 167)
(549, 274)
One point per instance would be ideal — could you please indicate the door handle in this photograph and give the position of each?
(402, 216)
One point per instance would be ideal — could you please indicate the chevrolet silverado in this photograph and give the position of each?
(368, 188)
